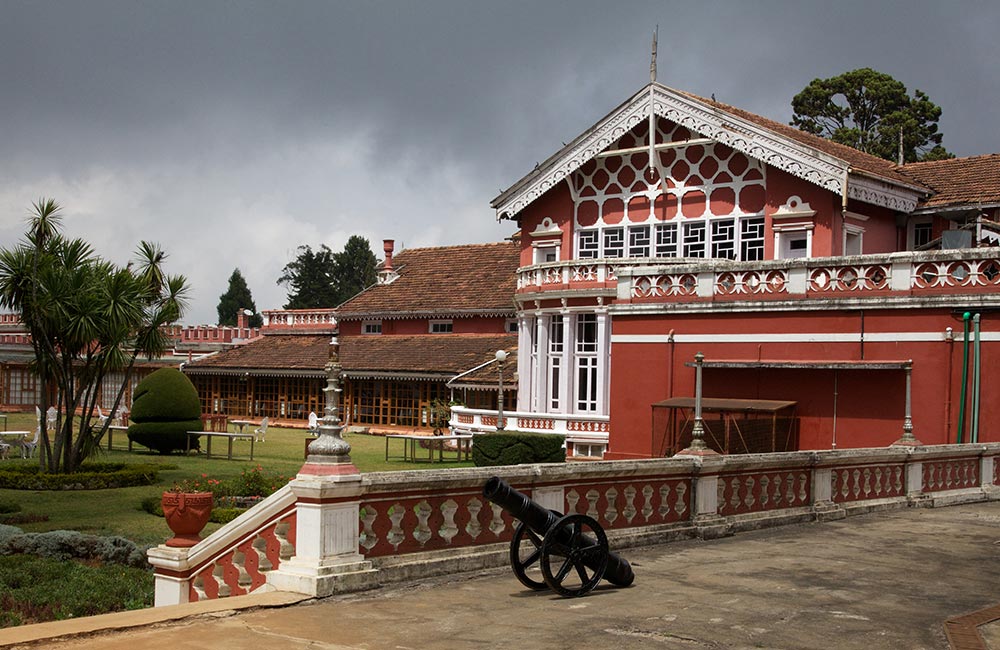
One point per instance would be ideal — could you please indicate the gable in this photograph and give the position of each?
(803, 155)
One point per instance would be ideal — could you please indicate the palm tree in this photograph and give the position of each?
(87, 317)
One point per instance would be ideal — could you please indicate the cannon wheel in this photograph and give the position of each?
(522, 559)
(574, 555)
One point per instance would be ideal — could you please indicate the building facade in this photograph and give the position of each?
(803, 271)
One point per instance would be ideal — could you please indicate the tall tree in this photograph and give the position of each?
(356, 268)
(871, 111)
(87, 318)
(237, 297)
(310, 279)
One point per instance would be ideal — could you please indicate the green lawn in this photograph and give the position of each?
(117, 511)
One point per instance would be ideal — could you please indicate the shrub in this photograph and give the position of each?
(91, 476)
(9, 531)
(165, 407)
(35, 590)
(516, 447)
(8, 507)
(256, 482)
(70, 544)
(225, 515)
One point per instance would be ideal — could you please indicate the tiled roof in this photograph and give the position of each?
(959, 181)
(276, 354)
(443, 281)
(441, 354)
(872, 165)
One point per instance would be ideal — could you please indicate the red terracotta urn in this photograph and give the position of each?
(186, 514)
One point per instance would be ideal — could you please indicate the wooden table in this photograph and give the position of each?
(462, 449)
(18, 439)
(111, 432)
(220, 434)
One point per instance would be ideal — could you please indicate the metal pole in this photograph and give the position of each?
(907, 417)
(698, 432)
(501, 357)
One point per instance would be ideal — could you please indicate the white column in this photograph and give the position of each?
(523, 362)
(603, 361)
(542, 348)
(565, 379)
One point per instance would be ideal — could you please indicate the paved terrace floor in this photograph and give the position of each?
(885, 580)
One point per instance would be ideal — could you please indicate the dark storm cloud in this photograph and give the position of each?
(231, 132)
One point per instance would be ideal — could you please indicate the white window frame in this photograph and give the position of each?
(787, 232)
(911, 231)
(510, 326)
(444, 326)
(544, 249)
(371, 327)
(850, 230)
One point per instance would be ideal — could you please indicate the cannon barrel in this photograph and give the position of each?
(540, 520)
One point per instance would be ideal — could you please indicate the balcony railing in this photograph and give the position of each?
(968, 271)
(577, 274)
(973, 271)
(300, 319)
(595, 427)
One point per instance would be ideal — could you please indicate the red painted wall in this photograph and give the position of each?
(556, 204)
(869, 403)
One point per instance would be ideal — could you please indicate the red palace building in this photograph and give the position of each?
(825, 288)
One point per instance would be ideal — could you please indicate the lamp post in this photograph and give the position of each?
(501, 358)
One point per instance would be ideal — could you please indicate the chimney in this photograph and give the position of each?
(387, 275)
(241, 321)
(387, 246)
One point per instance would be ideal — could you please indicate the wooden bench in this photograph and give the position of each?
(220, 434)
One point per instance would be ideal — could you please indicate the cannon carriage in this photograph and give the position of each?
(571, 552)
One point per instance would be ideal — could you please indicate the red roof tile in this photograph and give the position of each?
(443, 281)
(858, 160)
(280, 354)
(959, 181)
(441, 354)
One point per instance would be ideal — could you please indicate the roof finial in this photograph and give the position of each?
(652, 61)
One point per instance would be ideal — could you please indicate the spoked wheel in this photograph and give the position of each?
(525, 549)
(574, 555)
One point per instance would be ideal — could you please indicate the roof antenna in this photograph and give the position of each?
(652, 60)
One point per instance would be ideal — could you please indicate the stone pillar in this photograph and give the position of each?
(566, 367)
(327, 509)
(822, 495)
(705, 511)
(552, 498)
(524, 363)
(914, 479)
(603, 358)
(170, 564)
(986, 472)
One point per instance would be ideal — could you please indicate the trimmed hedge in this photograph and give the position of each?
(165, 407)
(516, 447)
(91, 476)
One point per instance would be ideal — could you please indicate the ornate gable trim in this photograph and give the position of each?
(792, 157)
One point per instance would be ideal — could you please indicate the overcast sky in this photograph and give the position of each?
(233, 132)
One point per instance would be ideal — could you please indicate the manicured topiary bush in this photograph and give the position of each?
(516, 447)
(165, 407)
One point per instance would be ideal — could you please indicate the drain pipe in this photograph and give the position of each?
(670, 363)
(949, 338)
(965, 374)
(976, 372)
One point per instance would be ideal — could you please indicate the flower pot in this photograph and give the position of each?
(186, 514)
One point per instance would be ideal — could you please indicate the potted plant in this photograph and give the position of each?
(187, 507)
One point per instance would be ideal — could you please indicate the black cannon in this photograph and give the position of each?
(571, 552)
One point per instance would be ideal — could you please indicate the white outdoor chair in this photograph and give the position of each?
(4, 450)
(258, 434)
(313, 423)
(31, 445)
(50, 418)
(101, 417)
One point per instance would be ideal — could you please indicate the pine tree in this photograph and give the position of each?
(356, 268)
(235, 298)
